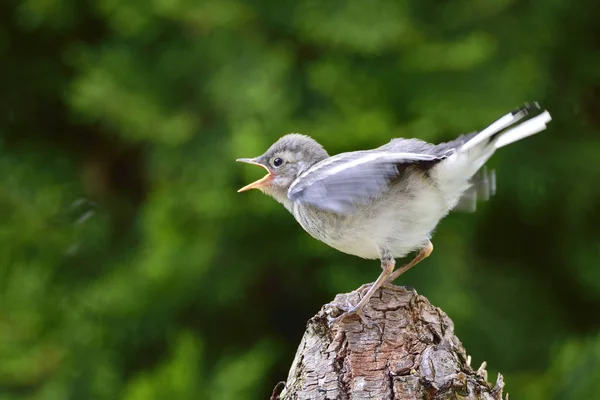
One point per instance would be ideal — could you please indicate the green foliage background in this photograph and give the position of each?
(171, 285)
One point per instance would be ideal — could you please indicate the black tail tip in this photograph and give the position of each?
(527, 108)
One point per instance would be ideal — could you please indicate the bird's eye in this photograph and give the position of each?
(278, 162)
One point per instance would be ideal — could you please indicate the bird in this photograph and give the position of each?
(385, 203)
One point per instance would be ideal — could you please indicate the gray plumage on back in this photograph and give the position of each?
(385, 203)
(409, 146)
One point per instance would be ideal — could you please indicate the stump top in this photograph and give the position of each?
(415, 355)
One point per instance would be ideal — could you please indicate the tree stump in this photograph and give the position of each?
(414, 354)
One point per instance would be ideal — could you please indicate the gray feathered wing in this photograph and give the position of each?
(342, 182)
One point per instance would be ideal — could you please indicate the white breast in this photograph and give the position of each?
(400, 221)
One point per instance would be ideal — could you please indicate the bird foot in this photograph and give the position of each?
(364, 287)
(387, 285)
(390, 285)
(348, 310)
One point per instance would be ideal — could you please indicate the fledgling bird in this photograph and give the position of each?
(383, 203)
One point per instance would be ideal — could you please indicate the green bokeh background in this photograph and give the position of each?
(165, 283)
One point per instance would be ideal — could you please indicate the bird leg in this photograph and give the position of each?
(423, 254)
(387, 265)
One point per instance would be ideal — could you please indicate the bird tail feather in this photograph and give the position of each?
(521, 131)
(499, 132)
(458, 176)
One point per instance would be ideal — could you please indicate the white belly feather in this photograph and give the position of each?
(401, 221)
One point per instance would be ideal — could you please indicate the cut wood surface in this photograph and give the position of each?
(414, 354)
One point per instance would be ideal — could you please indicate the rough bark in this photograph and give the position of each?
(414, 354)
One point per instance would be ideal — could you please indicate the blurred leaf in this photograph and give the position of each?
(177, 378)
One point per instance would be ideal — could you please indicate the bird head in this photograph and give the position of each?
(284, 161)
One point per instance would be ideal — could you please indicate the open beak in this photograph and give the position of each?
(262, 181)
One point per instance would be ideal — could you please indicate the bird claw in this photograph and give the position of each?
(364, 287)
(349, 310)
(387, 285)
(390, 285)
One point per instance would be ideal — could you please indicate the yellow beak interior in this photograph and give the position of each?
(257, 184)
